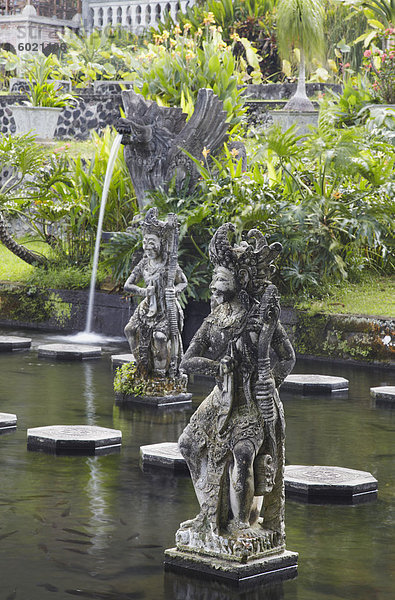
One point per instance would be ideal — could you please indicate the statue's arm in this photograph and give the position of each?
(180, 281)
(285, 353)
(135, 276)
(195, 359)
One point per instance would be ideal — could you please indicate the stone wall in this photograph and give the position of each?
(356, 339)
(90, 112)
(95, 108)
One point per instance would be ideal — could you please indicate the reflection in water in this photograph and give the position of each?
(100, 522)
(183, 587)
(89, 394)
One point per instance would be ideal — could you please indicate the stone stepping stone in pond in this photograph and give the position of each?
(74, 439)
(328, 484)
(7, 422)
(311, 384)
(117, 360)
(384, 395)
(166, 454)
(13, 342)
(69, 351)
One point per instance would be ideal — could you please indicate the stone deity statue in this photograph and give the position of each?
(234, 442)
(155, 138)
(154, 330)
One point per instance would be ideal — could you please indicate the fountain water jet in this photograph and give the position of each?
(87, 335)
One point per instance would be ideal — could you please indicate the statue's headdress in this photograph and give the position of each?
(251, 261)
(163, 229)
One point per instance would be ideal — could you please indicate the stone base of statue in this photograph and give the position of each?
(159, 390)
(257, 553)
(169, 400)
(273, 567)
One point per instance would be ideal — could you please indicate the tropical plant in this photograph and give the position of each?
(41, 73)
(300, 25)
(173, 70)
(99, 55)
(28, 179)
(380, 65)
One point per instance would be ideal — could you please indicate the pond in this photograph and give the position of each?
(96, 527)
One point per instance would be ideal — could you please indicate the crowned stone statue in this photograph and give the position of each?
(234, 442)
(154, 330)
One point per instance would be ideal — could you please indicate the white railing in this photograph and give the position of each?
(135, 15)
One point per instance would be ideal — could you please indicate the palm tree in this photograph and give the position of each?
(300, 24)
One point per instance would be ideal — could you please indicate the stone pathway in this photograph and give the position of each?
(311, 384)
(328, 481)
(384, 395)
(13, 342)
(69, 351)
(7, 421)
(165, 454)
(81, 439)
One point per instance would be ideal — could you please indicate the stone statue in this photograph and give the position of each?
(155, 138)
(234, 443)
(154, 330)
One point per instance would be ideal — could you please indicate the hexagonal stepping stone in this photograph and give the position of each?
(311, 384)
(74, 439)
(69, 351)
(329, 483)
(117, 360)
(7, 422)
(383, 395)
(166, 454)
(13, 342)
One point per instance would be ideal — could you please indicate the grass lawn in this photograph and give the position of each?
(375, 296)
(13, 268)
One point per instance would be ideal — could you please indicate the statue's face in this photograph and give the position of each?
(151, 245)
(223, 286)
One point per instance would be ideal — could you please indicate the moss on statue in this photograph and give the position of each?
(128, 381)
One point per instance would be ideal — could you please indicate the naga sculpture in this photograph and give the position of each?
(234, 442)
(155, 138)
(154, 330)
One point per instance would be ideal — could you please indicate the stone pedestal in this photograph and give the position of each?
(69, 351)
(74, 439)
(159, 401)
(278, 567)
(117, 360)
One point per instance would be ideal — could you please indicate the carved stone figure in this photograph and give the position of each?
(155, 137)
(154, 331)
(234, 443)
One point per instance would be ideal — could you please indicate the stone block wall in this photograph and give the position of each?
(89, 112)
(98, 107)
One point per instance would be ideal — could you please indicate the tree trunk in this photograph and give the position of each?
(300, 101)
(22, 252)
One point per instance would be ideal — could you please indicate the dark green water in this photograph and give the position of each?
(96, 527)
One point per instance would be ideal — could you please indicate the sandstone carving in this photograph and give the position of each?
(234, 443)
(156, 137)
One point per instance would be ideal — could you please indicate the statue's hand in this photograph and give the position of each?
(149, 291)
(226, 365)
